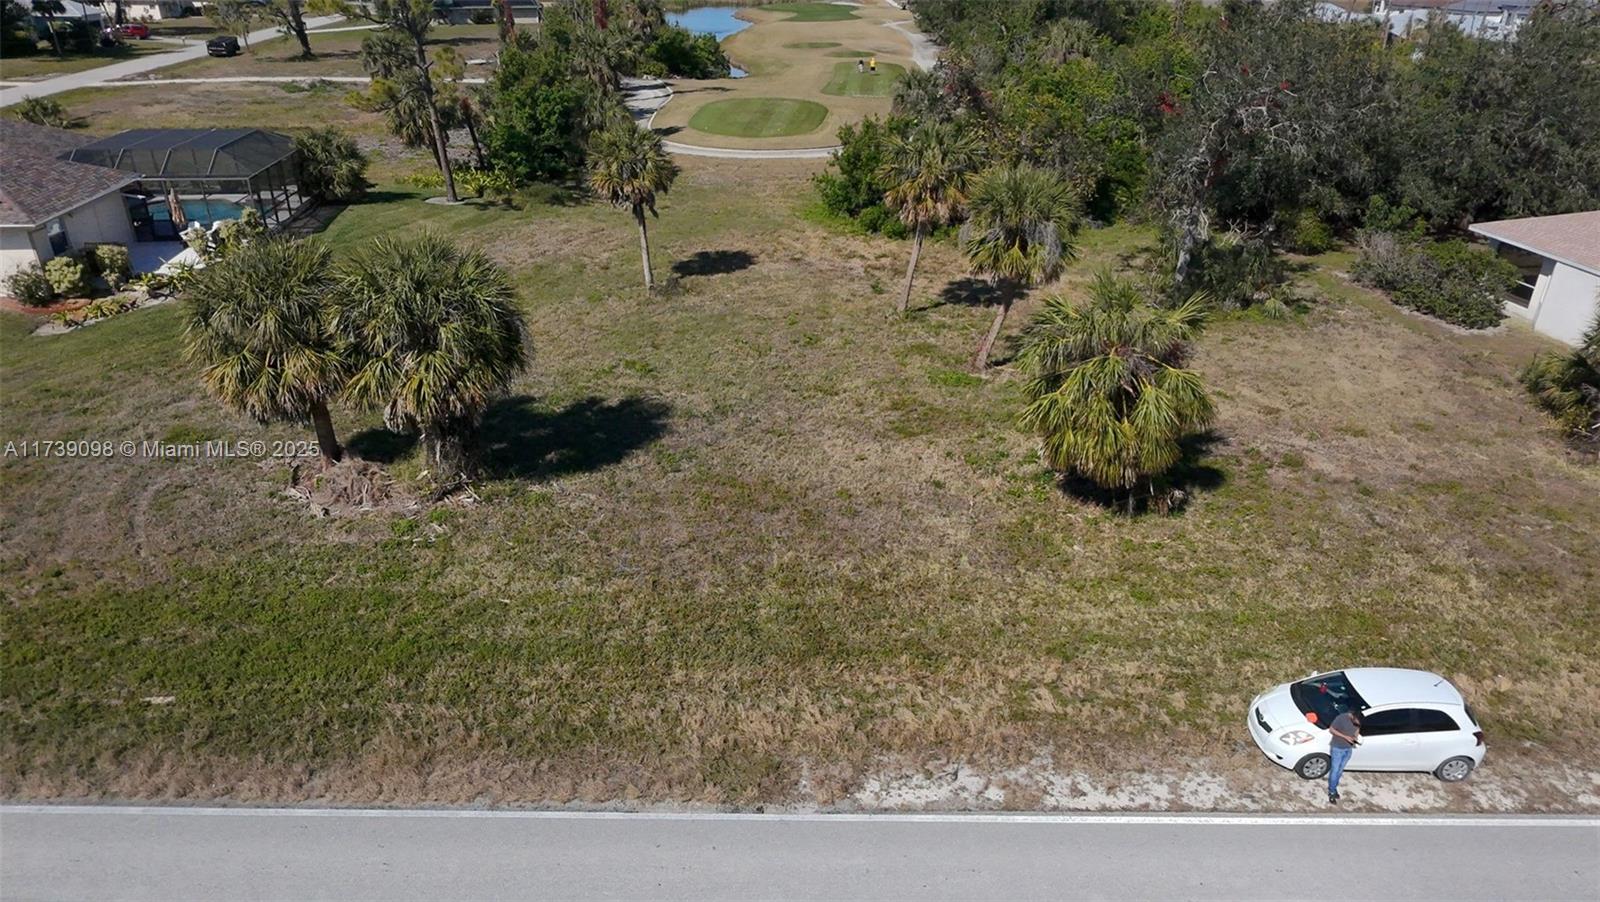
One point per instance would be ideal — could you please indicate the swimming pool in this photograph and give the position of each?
(202, 210)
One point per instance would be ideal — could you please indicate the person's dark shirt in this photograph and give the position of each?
(1345, 724)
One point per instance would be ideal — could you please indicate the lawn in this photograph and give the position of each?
(757, 539)
(337, 53)
(45, 64)
(759, 117)
(812, 12)
(847, 82)
(811, 45)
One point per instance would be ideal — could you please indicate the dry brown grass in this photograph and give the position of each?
(757, 538)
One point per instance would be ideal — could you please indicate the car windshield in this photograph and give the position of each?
(1326, 696)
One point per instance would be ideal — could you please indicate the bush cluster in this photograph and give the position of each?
(1567, 386)
(30, 286)
(110, 262)
(1450, 280)
(332, 167)
(679, 52)
(69, 278)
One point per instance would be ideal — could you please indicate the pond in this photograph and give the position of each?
(718, 21)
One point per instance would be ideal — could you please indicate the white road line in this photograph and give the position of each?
(1177, 820)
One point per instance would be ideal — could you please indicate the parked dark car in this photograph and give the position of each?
(134, 30)
(223, 45)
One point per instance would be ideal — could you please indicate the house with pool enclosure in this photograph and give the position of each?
(61, 191)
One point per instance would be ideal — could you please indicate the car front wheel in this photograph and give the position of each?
(1312, 767)
(1454, 770)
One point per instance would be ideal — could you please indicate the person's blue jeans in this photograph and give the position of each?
(1337, 759)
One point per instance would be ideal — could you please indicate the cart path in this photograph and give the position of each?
(73, 852)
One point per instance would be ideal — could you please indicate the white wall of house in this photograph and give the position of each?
(154, 10)
(100, 221)
(1565, 302)
(16, 251)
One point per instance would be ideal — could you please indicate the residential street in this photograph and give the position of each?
(150, 63)
(149, 853)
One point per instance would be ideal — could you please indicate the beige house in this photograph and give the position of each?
(1559, 259)
(49, 205)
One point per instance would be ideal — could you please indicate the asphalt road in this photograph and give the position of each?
(153, 853)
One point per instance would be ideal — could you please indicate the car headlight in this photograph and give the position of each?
(1295, 737)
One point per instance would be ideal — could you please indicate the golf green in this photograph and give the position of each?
(813, 12)
(847, 82)
(759, 117)
(849, 54)
(811, 45)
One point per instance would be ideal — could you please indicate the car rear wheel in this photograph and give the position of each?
(1313, 767)
(1454, 770)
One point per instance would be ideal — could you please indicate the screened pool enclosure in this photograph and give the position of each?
(201, 175)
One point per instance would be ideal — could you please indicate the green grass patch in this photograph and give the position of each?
(759, 117)
(847, 82)
(850, 54)
(813, 12)
(811, 45)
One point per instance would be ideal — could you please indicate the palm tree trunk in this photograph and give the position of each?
(980, 360)
(467, 115)
(440, 152)
(327, 441)
(911, 269)
(55, 39)
(644, 247)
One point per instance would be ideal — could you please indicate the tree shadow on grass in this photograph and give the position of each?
(380, 446)
(521, 439)
(970, 292)
(1192, 475)
(714, 263)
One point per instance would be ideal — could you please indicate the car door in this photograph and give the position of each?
(1439, 736)
(1388, 741)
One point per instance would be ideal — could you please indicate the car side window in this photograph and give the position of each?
(1387, 723)
(1432, 720)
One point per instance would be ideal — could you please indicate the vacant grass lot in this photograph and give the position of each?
(847, 82)
(759, 117)
(45, 64)
(756, 537)
(337, 53)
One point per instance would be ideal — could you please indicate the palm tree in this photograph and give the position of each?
(1107, 392)
(434, 334)
(928, 174)
(628, 166)
(259, 323)
(1017, 235)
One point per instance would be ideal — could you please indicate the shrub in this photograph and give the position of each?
(1306, 233)
(1567, 386)
(110, 262)
(481, 17)
(30, 286)
(1235, 272)
(852, 182)
(486, 183)
(69, 278)
(1450, 280)
(1381, 216)
(332, 167)
(687, 55)
(44, 111)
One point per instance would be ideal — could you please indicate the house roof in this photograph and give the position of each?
(1571, 238)
(179, 153)
(38, 184)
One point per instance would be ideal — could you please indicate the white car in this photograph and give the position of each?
(1411, 720)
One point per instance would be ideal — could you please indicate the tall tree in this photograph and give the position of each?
(258, 321)
(407, 23)
(927, 173)
(235, 17)
(629, 167)
(434, 335)
(1018, 234)
(1107, 391)
(291, 17)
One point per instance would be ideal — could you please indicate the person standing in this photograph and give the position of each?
(1346, 735)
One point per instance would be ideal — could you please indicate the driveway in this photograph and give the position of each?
(90, 77)
(240, 853)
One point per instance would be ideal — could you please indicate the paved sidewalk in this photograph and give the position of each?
(94, 77)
